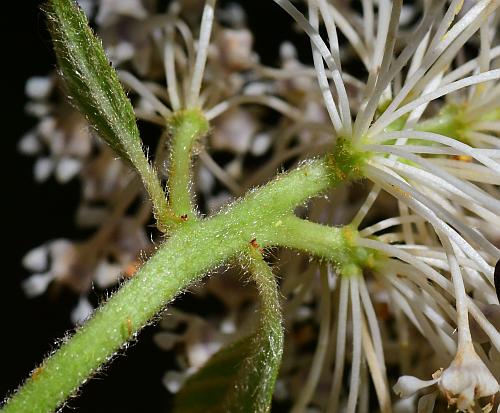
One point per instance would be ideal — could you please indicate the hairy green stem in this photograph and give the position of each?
(185, 128)
(191, 251)
(335, 244)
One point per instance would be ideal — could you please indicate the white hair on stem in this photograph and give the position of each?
(351, 35)
(333, 398)
(464, 336)
(367, 204)
(415, 311)
(388, 223)
(430, 210)
(390, 116)
(463, 186)
(352, 398)
(387, 13)
(345, 111)
(483, 58)
(461, 32)
(443, 190)
(416, 60)
(365, 116)
(201, 56)
(415, 276)
(416, 113)
(377, 372)
(430, 308)
(187, 37)
(331, 30)
(381, 59)
(487, 125)
(373, 324)
(425, 205)
(169, 64)
(368, 23)
(271, 101)
(407, 227)
(442, 150)
(364, 385)
(465, 149)
(291, 73)
(468, 67)
(321, 75)
(436, 277)
(318, 361)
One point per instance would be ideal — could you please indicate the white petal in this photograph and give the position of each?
(408, 385)
(107, 274)
(468, 378)
(36, 259)
(36, 284)
(38, 87)
(173, 380)
(82, 311)
(43, 168)
(199, 352)
(29, 144)
(47, 127)
(66, 169)
(261, 144)
(288, 51)
(63, 254)
(228, 326)
(37, 109)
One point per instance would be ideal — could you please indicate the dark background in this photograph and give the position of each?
(34, 213)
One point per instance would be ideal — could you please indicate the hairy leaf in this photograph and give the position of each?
(92, 83)
(95, 90)
(240, 378)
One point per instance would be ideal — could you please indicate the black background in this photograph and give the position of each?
(34, 213)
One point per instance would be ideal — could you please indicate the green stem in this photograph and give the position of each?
(335, 244)
(184, 258)
(164, 215)
(186, 128)
(316, 239)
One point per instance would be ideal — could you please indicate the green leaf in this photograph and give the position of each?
(94, 88)
(240, 378)
(92, 83)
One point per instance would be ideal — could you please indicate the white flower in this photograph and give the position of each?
(467, 379)
(409, 385)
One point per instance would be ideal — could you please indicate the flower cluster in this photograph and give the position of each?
(414, 88)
